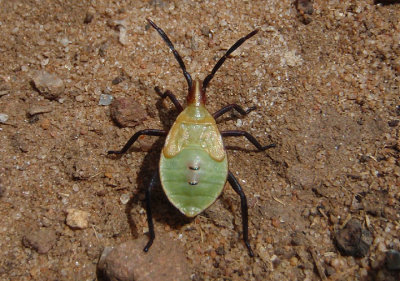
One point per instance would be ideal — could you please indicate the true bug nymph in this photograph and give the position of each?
(193, 167)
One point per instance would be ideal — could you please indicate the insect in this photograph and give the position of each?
(193, 167)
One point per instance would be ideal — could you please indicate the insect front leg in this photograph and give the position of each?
(148, 211)
(229, 107)
(148, 132)
(237, 133)
(243, 203)
(171, 96)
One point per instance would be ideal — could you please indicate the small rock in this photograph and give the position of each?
(105, 99)
(39, 109)
(393, 123)
(41, 240)
(45, 124)
(393, 260)
(77, 219)
(80, 98)
(48, 85)
(294, 261)
(3, 118)
(124, 198)
(164, 261)
(118, 79)
(353, 240)
(126, 112)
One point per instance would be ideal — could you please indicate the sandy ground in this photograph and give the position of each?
(326, 87)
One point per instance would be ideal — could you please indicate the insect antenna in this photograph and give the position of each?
(222, 60)
(175, 52)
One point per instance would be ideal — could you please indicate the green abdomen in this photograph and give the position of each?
(192, 180)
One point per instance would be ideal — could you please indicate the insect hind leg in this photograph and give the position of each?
(152, 234)
(243, 203)
(147, 132)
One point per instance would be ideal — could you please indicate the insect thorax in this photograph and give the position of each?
(195, 127)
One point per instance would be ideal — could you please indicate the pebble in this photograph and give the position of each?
(45, 124)
(105, 99)
(393, 260)
(41, 240)
(353, 240)
(77, 219)
(124, 198)
(126, 112)
(49, 85)
(39, 109)
(3, 118)
(165, 261)
(294, 261)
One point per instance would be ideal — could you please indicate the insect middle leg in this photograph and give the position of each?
(148, 132)
(152, 234)
(238, 108)
(243, 203)
(238, 133)
(171, 96)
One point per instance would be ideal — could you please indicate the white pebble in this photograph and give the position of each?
(77, 218)
(125, 198)
(3, 118)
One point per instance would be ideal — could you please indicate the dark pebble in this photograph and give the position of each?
(393, 260)
(353, 240)
(393, 123)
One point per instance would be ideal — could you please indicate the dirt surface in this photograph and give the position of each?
(325, 81)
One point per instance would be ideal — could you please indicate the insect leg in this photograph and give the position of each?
(171, 96)
(237, 133)
(148, 211)
(148, 132)
(238, 108)
(243, 203)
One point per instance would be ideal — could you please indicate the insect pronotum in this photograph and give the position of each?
(193, 167)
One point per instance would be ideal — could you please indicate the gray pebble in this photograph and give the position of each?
(105, 99)
(49, 85)
(393, 260)
(39, 109)
(3, 118)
